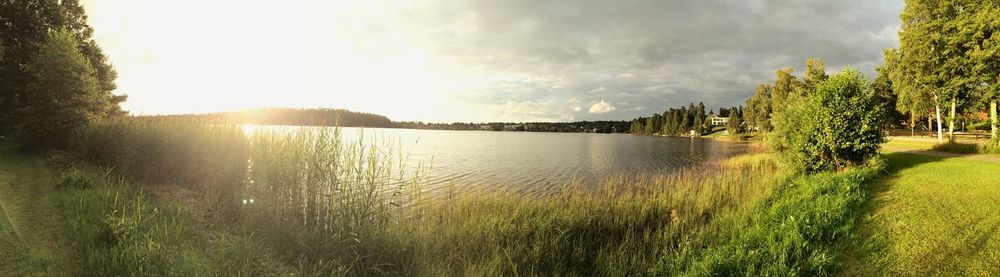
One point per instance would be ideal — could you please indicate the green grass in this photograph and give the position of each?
(326, 206)
(621, 228)
(323, 206)
(64, 219)
(986, 147)
(931, 216)
(800, 229)
(910, 144)
(29, 241)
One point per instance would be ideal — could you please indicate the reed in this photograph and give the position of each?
(307, 202)
(325, 204)
(210, 158)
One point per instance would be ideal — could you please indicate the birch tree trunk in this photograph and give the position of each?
(951, 122)
(930, 125)
(937, 116)
(913, 120)
(993, 119)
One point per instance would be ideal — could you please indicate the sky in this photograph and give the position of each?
(476, 60)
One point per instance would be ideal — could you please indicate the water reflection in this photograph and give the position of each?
(534, 163)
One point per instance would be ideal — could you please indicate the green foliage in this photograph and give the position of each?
(800, 230)
(991, 147)
(27, 26)
(63, 95)
(758, 112)
(839, 124)
(735, 124)
(815, 74)
(784, 90)
(699, 125)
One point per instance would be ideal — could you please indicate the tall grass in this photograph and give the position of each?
(799, 230)
(619, 228)
(117, 230)
(328, 205)
(319, 205)
(210, 158)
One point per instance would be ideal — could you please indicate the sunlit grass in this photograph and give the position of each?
(310, 203)
(932, 216)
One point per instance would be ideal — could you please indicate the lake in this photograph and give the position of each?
(531, 162)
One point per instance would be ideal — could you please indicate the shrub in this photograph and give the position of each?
(837, 125)
(957, 147)
(991, 147)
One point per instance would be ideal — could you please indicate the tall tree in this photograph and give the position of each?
(933, 50)
(701, 125)
(63, 96)
(685, 121)
(734, 124)
(815, 74)
(24, 27)
(911, 97)
(783, 90)
(882, 86)
(983, 30)
(758, 111)
(675, 123)
(668, 122)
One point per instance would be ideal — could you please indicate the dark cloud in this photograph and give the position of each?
(553, 56)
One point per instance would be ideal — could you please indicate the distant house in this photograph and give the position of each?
(717, 120)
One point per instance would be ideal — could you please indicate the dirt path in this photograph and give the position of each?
(29, 222)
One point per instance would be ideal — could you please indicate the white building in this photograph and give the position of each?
(718, 120)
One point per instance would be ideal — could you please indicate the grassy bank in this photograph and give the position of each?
(62, 219)
(309, 203)
(931, 216)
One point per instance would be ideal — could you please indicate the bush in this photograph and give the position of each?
(837, 125)
(991, 147)
(957, 147)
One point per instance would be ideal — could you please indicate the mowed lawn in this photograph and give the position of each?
(931, 216)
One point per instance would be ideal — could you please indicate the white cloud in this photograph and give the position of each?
(601, 107)
(577, 109)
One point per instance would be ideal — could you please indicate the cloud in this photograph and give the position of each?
(658, 53)
(577, 109)
(483, 60)
(601, 107)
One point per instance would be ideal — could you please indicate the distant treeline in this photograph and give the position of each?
(683, 120)
(290, 116)
(346, 118)
(565, 127)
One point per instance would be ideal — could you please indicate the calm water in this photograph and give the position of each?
(537, 162)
